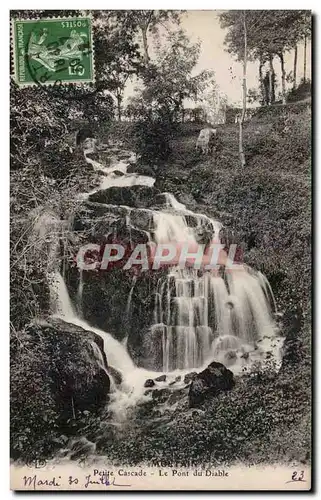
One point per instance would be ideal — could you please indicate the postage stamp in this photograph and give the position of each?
(53, 51)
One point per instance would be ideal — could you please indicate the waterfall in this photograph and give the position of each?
(132, 388)
(129, 300)
(112, 178)
(60, 301)
(199, 316)
(171, 202)
(80, 289)
(191, 312)
(116, 353)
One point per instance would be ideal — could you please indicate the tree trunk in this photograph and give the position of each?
(271, 80)
(261, 81)
(145, 44)
(119, 100)
(241, 121)
(305, 60)
(295, 63)
(283, 78)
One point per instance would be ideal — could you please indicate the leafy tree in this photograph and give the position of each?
(117, 56)
(305, 29)
(270, 33)
(169, 79)
(214, 103)
(149, 21)
(167, 82)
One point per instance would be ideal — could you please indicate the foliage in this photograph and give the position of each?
(167, 82)
(269, 31)
(265, 416)
(148, 21)
(117, 55)
(46, 172)
(303, 91)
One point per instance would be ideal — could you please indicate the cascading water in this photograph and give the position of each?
(195, 314)
(132, 387)
(63, 308)
(198, 316)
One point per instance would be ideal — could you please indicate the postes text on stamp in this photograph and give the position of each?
(53, 51)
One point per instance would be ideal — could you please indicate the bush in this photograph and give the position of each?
(152, 139)
(303, 91)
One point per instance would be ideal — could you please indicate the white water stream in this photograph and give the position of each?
(197, 318)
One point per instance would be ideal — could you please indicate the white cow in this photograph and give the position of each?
(204, 139)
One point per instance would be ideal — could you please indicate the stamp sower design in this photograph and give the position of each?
(49, 51)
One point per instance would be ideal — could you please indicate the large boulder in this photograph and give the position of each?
(77, 372)
(58, 381)
(133, 196)
(141, 169)
(208, 383)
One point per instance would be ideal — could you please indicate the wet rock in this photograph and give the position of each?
(117, 376)
(142, 219)
(124, 155)
(140, 169)
(161, 395)
(89, 214)
(161, 378)
(231, 355)
(160, 200)
(177, 379)
(187, 199)
(133, 196)
(70, 328)
(120, 231)
(92, 155)
(149, 383)
(245, 355)
(84, 134)
(208, 383)
(189, 377)
(177, 395)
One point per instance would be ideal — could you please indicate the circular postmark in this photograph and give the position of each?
(53, 52)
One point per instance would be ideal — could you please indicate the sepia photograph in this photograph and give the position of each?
(160, 250)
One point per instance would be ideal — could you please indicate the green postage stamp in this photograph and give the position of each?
(53, 51)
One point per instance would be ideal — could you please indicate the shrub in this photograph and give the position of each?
(152, 139)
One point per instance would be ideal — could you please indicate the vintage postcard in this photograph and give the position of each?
(160, 218)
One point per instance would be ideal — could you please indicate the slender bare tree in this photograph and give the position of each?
(244, 86)
(295, 63)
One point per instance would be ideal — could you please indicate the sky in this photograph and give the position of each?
(204, 25)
